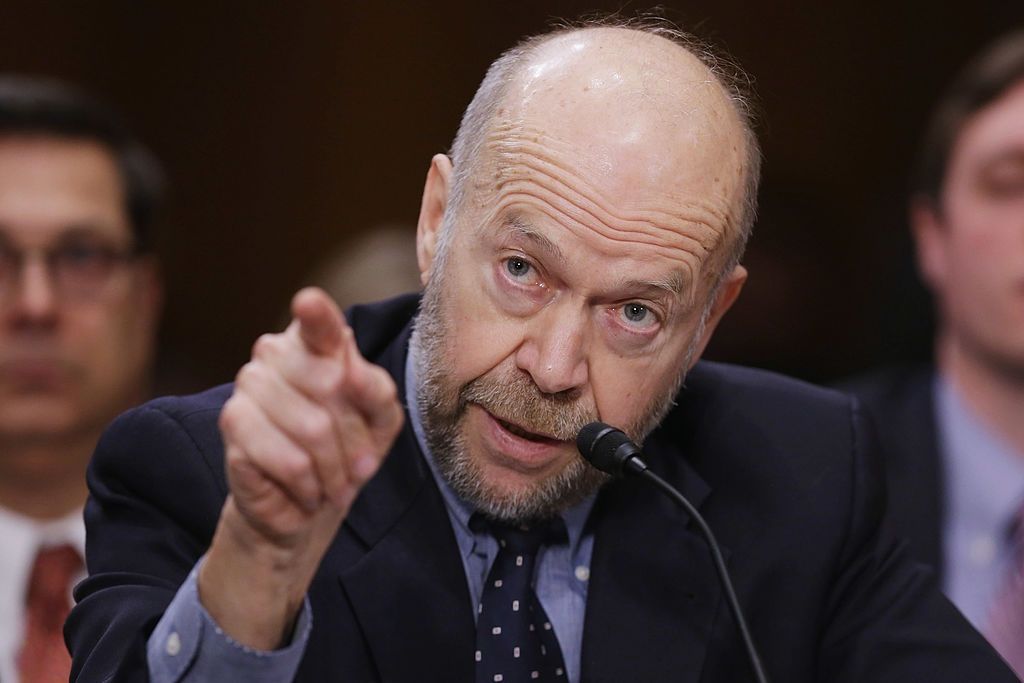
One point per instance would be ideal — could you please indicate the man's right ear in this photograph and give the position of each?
(432, 209)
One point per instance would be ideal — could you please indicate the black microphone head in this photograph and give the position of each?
(589, 436)
(605, 447)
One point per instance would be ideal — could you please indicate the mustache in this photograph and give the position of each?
(514, 398)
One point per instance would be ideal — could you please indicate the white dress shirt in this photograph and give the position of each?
(22, 537)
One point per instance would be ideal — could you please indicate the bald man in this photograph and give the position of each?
(397, 496)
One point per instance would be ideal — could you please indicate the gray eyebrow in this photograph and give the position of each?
(673, 284)
(521, 228)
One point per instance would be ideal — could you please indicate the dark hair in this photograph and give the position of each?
(981, 82)
(34, 106)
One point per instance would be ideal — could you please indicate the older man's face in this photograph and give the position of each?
(76, 319)
(580, 268)
(972, 248)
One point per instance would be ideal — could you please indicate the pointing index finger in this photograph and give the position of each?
(321, 325)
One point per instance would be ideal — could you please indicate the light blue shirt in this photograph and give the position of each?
(563, 571)
(187, 645)
(984, 478)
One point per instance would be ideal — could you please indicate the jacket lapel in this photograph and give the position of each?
(653, 595)
(410, 597)
(409, 591)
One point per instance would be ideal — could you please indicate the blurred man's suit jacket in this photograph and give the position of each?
(901, 403)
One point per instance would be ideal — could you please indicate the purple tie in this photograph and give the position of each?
(1006, 620)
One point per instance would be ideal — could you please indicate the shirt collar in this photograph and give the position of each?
(68, 529)
(460, 511)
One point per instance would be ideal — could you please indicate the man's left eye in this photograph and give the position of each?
(637, 314)
(517, 267)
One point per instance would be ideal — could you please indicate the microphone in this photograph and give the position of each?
(610, 450)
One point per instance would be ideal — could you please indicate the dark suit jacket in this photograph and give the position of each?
(785, 474)
(901, 403)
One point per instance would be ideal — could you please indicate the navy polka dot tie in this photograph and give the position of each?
(515, 641)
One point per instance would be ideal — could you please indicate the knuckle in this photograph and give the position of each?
(316, 427)
(234, 457)
(329, 382)
(388, 389)
(337, 477)
(265, 345)
(229, 418)
(248, 374)
(294, 469)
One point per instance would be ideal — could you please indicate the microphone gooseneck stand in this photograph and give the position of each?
(610, 450)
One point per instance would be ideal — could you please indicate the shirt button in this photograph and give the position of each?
(582, 573)
(173, 644)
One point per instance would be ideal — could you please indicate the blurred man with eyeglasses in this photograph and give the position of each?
(79, 302)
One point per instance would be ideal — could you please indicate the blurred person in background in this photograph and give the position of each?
(79, 302)
(954, 433)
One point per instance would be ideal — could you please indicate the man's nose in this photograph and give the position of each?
(554, 351)
(32, 292)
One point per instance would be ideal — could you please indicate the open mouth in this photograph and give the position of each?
(524, 434)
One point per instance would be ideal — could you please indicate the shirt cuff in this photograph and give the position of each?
(188, 646)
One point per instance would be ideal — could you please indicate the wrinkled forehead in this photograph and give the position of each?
(634, 116)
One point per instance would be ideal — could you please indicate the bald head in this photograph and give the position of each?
(639, 84)
(635, 106)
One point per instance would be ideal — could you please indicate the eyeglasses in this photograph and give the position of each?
(78, 269)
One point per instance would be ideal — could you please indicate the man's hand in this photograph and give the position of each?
(307, 426)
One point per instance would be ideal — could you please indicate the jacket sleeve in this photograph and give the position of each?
(156, 490)
(886, 619)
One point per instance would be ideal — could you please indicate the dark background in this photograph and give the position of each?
(286, 128)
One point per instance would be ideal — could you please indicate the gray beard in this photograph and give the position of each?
(510, 395)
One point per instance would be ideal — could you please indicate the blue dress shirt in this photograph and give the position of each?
(562, 570)
(984, 478)
(187, 646)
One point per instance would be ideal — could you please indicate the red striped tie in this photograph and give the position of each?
(43, 657)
